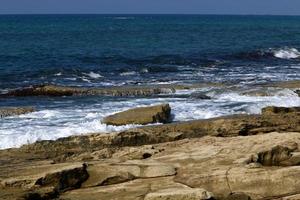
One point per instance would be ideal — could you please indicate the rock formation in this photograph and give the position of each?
(11, 111)
(142, 115)
(234, 157)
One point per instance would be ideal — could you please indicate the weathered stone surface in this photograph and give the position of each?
(180, 194)
(11, 111)
(60, 177)
(104, 174)
(248, 159)
(133, 190)
(141, 115)
(217, 164)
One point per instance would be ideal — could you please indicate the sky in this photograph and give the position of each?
(262, 7)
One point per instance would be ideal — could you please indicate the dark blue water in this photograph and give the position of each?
(104, 50)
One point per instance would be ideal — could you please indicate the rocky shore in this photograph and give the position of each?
(237, 157)
(234, 157)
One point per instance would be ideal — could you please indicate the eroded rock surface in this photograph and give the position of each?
(141, 115)
(180, 194)
(236, 157)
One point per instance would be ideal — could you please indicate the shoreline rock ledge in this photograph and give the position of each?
(142, 115)
(12, 111)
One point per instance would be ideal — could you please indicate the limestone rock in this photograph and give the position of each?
(142, 115)
(60, 176)
(11, 111)
(180, 194)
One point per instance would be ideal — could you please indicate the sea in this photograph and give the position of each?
(118, 50)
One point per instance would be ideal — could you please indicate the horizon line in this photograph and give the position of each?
(224, 14)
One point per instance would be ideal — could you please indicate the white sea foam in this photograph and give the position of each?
(69, 119)
(132, 73)
(93, 75)
(287, 53)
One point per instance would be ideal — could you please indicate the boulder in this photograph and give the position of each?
(142, 115)
(11, 111)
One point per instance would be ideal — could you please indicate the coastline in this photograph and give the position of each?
(219, 158)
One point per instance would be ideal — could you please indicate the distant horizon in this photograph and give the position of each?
(162, 7)
(225, 14)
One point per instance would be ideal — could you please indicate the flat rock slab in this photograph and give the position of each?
(11, 111)
(142, 115)
(180, 194)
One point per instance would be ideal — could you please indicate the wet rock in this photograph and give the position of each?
(199, 95)
(222, 127)
(142, 115)
(280, 110)
(11, 111)
(53, 90)
(180, 194)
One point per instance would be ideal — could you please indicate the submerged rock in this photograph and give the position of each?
(6, 112)
(142, 115)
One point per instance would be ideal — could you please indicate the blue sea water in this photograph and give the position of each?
(106, 50)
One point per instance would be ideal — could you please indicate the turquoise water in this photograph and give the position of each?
(106, 50)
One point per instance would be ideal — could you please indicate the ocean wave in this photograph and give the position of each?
(131, 73)
(93, 75)
(281, 53)
(287, 53)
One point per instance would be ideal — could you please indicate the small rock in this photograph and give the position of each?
(6, 112)
(198, 95)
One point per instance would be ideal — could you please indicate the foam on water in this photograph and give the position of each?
(93, 75)
(287, 53)
(132, 73)
(69, 119)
